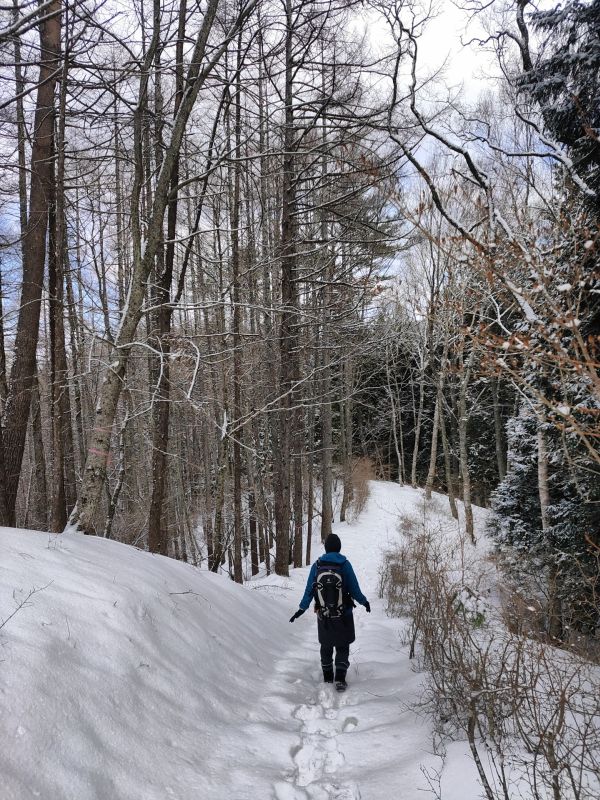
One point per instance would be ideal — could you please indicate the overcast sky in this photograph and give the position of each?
(470, 65)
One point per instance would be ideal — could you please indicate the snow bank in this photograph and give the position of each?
(123, 671)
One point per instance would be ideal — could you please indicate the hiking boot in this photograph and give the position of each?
(340, 680)
(328, 675)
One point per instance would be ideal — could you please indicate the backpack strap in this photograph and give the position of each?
(314, 586)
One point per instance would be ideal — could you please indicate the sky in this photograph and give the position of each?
(468, 65)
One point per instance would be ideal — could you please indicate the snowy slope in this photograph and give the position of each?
(129, 675)
(124, 672)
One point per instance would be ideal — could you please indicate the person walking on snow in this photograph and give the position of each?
(333, 586)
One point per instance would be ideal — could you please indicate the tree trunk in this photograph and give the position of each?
(21, 131)
(413, 471)
(34, 256)
(463, 420)
(433, 453)
(3, 383)
(326, 457)
(254, 547)
(113, 501)
(298, 498)
(394, 422)
(63, 498)
(157, 533)
(543, 490)
(288, 316)
(3, 391)
(3, 513)
(38, 454)
(58, 512)
(219, 544)
(310, 488)
(447, 460)
(499, 431)
(75, 351)
(555, 627)
(237, 315)
(346, 413)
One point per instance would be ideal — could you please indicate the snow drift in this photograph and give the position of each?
(121, 671)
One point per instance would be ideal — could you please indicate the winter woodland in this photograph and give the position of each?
(270, 269)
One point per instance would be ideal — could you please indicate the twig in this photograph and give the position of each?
(23, 602)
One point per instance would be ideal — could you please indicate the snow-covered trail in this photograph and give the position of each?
(130, 676)
(366, 742)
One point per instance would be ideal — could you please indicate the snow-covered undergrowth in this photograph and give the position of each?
(529, 711)
(129, 676)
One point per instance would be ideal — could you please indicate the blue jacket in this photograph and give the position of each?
(348, 577)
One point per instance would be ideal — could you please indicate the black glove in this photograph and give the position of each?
(368, 607)
(298, 614)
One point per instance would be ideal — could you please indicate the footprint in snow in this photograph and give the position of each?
(311, 759)
(307, 711)
(317, 757)
(287, 791)
(333, 791)
(350, 723)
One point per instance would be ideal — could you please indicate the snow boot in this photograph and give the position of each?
(328, 675)
(340, 681)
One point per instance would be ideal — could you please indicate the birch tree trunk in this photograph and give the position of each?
(437, 414)
(394, 421)
(543, 490)
(434, 447)
(447, 460)
(463, 420)
(418, 423)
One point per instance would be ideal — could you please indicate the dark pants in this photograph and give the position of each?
(342, 658)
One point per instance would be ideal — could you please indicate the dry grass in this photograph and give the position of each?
(528, 710)
(408, 525)
(363, 471)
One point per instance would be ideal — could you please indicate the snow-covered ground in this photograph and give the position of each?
(129, 676)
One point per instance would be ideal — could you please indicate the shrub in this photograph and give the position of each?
(528, 710)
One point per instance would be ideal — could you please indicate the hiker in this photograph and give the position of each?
(333, 586)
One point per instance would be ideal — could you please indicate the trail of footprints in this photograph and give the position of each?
(318, 758)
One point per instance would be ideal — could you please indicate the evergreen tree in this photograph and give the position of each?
(516, 516)
(556, 561)
(565, 82)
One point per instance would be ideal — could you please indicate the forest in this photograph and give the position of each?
(254, 253)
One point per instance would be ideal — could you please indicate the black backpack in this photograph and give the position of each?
(329, 592)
